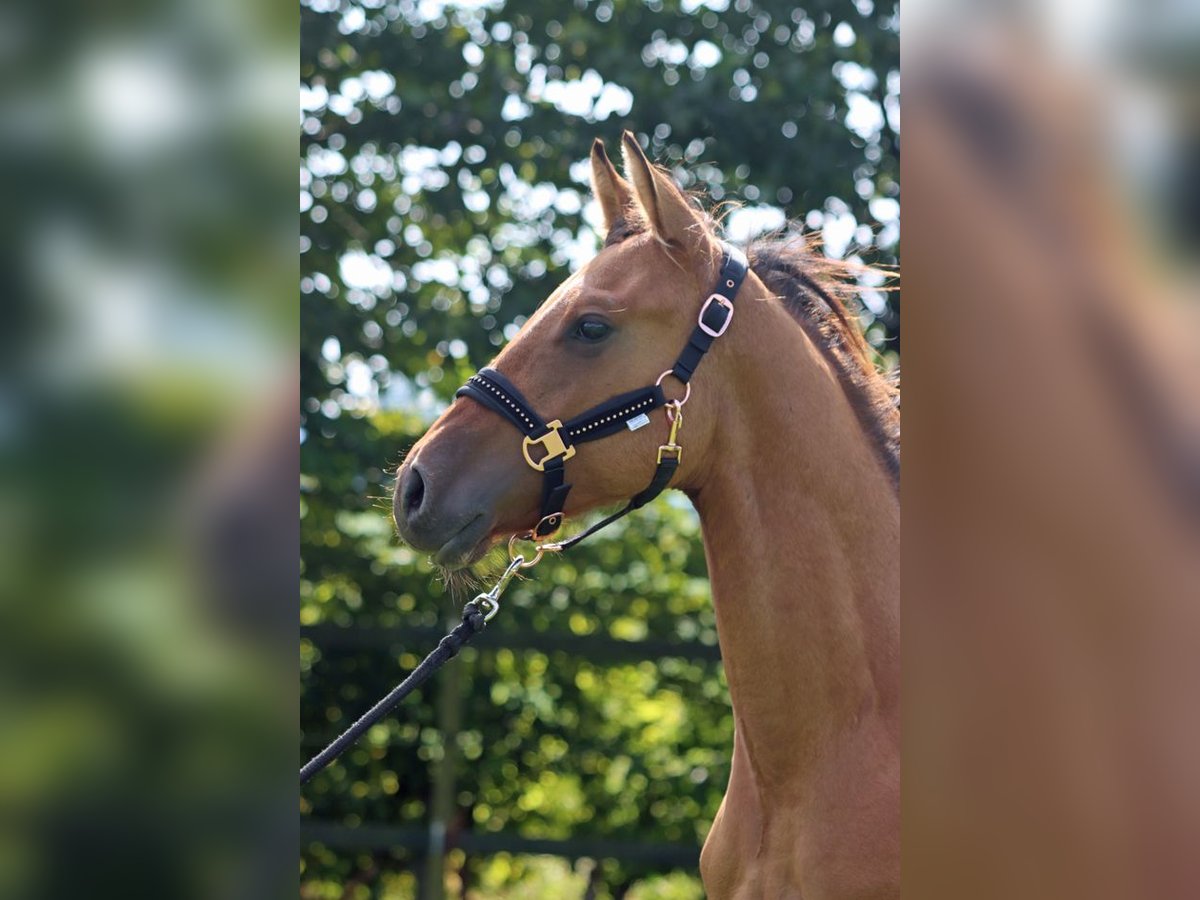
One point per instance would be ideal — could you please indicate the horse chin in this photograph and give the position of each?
(472, 572)
(470, 544)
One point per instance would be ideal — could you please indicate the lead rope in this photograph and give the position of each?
(484, 607)
(475, 617)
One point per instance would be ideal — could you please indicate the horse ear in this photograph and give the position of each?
(672, 218)
(612, 192)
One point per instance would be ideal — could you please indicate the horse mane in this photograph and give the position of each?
(815, 289)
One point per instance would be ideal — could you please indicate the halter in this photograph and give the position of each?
(547, 445)
(554, 444)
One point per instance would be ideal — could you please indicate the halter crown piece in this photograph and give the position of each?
(547, 445)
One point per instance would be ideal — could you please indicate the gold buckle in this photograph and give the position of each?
(552, 442)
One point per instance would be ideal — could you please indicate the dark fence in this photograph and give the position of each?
(434, 840)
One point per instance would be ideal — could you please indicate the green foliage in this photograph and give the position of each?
(553, 744)
(444, 194)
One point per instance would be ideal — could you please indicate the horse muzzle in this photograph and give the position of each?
(431, 516)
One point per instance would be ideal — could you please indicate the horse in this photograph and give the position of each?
(792, 462)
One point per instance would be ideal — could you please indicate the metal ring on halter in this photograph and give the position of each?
(687, 393)
(542, 550)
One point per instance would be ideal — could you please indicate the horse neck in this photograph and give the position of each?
(801, 532)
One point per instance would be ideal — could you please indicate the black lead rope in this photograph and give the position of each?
(555, 442)
(472, 623)
(475, 617)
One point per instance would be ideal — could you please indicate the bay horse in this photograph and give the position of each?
(792, 461)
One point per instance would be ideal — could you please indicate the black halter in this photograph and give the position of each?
(554, 441)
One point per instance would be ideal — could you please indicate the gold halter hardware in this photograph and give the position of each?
(552, 442)
(687, 393)
(675, 415)
(518, 561)
(540, 550)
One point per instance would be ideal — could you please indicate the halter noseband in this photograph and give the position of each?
(554, 442)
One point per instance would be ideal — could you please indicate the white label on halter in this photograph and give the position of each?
(637, 422)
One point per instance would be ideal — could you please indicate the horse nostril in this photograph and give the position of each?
(412, 492)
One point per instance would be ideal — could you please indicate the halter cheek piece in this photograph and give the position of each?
(549, 444)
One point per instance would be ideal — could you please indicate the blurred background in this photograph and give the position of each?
(582, 747)
(147, 450)
(1051, 486)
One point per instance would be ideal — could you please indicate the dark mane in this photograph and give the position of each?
(814, 288)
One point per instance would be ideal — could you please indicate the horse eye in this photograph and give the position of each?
(592, 331)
